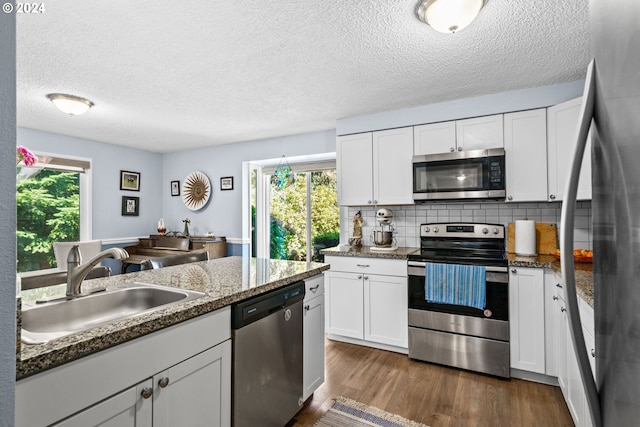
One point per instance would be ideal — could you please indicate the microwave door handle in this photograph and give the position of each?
(567, 220)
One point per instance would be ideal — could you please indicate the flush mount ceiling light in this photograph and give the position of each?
(449, 16)
(70, 104)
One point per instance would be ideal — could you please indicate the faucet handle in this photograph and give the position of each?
(74, 258)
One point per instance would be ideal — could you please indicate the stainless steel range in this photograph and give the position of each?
(453, 332)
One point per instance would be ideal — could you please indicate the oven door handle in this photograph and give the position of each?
(423, 265)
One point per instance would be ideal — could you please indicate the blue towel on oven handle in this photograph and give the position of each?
(456, 284)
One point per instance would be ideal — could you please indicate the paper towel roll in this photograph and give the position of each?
(525, 237)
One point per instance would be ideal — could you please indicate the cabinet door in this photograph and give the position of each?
(392, 167)
(434, 138)
(196, 392)
(526, 319)
(525, 144)
(575, 396)
(551, 323)
(128, 408)
(345, 309)
(313, 346)
(354, 163)
(480, 133)
(562, 124)
(562, 346)
(386, 310)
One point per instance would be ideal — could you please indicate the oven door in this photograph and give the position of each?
(466, 174)
(497, 298)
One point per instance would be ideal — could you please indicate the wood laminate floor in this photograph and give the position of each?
(431, 394)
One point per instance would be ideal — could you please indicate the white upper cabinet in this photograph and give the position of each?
(354, 162)
(375, 168)
(480, 133)
(562, 124)
(525, 145)
(434, 138)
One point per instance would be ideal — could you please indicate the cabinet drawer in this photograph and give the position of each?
(387, 267)
(313, 287)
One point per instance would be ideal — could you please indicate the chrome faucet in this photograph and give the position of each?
(76, 271)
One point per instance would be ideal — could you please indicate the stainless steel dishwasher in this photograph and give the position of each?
(267, 357)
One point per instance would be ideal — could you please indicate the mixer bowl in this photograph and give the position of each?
(382, 238)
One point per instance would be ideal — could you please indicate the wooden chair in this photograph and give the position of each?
(177, 259)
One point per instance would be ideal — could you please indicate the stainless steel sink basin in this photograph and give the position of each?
(42, 323)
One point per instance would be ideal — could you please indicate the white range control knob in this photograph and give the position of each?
(436, 229)
(495, 231)
(426, 229)
(485, 231)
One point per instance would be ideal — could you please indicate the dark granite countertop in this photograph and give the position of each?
(584, 272)
(225, 280)
(367, 252)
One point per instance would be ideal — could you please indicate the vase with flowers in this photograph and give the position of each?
(27, 164)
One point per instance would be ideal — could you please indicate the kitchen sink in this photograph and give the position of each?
(44, 322)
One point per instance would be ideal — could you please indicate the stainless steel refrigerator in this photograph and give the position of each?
(611, 106)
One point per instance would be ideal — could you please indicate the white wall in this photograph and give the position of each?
(107, 161)
(8, 215)
(504, 102)
(223, 213)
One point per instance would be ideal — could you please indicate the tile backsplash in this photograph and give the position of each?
(407, 218)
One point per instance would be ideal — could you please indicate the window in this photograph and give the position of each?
(298, 221)
(53, 205)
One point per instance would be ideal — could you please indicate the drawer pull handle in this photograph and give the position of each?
(146, 392)
(558, 285)
(315, 288)
(363, 265)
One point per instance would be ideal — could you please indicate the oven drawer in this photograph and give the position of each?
(461, 351)
(385, 267)
(465, 325)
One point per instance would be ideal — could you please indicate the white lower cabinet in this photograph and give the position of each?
(313, 336)
(126, 409)
(367, 300)
(180, 375)
(526, 319)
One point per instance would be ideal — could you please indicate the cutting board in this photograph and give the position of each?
(546, 238)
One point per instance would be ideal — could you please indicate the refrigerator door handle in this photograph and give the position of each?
(566, 247)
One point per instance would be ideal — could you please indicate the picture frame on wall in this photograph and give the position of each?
(175, 188)
(226, 183)
(130, 206)
(129, 181)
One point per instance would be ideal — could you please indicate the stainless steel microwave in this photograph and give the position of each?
(474, 174)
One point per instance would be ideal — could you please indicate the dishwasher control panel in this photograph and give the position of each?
(253, 309)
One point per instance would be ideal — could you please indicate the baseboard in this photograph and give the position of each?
(534, 376)
(368, 344)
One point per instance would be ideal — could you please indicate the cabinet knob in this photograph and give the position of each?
(593, 352)
(555, 297)
(459, 148)
(562, 309)
(514, 271)
(552, 196)
(163, 382)
(375, 202)
(510, 198)
(369, 201)
(452, 149)
(360, 276)
(146, 392)
(366, 277)
(307, 307)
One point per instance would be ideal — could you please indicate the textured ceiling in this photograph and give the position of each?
(167, 76)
